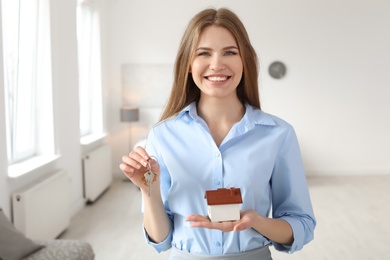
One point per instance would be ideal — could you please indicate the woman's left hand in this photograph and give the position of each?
(247, 220)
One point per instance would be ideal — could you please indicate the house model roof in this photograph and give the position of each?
(223, 196)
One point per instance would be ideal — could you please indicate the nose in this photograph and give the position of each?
(216, 63)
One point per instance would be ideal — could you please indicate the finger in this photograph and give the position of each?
(197, 218)
(137, 156)
(202, 224)
(131, 162)
(212, 225)
(154, 165)
(141, 151)
(127, 170)
(239, 227)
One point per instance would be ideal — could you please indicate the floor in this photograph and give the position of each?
(352, 215)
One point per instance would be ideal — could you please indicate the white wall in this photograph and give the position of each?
(66, 95)
(335, 90)
(66, 111)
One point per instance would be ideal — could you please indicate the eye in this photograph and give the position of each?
(230, 53)
(203, 53)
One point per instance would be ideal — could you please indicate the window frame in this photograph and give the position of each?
(39, 84)
(90, 72)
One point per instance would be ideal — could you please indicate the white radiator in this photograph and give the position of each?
(97, 172)
(41, 211)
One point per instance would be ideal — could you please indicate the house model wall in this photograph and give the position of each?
(224, 204)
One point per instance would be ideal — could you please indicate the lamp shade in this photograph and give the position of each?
(129, 113)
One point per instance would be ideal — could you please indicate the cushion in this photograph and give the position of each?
(13, 244)
(63, 249)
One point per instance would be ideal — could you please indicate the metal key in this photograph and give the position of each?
(149, 178)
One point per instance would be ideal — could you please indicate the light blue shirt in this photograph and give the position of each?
(260, 155)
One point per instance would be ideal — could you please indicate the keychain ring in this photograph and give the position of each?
(154, 158)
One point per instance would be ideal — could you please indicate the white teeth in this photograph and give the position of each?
(217, 78)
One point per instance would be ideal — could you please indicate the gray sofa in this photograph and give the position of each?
(15, 246)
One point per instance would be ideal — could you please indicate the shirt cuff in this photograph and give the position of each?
(162, 246)
(298, 234)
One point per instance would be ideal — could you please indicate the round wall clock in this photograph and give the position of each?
(277, 70)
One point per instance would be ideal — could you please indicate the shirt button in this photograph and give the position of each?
(217, 182)
(217, 244)
(217, 154)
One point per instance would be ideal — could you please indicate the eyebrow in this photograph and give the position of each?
(225, 48)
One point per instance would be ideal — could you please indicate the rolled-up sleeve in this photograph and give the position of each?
(291, 198)
(162, 246)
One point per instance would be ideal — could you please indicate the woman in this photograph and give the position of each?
(212, 135)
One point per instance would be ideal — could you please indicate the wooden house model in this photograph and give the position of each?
(224, 204)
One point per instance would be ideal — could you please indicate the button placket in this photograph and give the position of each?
(216, 246)
(218, 170)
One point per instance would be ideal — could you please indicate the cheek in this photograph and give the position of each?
(239, 65)
(196, 67)
(196, 71)
(239, 70)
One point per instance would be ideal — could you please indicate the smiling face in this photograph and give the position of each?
(217, 66)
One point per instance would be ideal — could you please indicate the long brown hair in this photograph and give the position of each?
(184, 91)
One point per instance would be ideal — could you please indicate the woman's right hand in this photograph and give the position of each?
(136, 164)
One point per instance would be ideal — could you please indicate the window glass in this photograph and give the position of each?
(27, 77)
(90, 92)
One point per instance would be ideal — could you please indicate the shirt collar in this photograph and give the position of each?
(252, 117)
(191, 108)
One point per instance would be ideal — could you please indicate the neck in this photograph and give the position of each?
(220, 116)
(216, 110)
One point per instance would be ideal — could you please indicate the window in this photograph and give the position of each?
(27, 76)
(90, 92)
